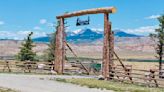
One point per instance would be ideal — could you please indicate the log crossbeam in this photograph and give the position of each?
(89, 11)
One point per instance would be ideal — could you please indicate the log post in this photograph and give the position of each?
(107, 49)
(60, 48)
(111, 46)
(111, 51)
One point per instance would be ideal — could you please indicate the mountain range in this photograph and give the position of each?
(86, 35)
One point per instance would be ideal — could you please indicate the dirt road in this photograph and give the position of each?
(41, 83)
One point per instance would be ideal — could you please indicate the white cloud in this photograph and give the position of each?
(141, 30)
(50, 24)
(67, 29)
(152, 17)
(37, 28)
(20, 35)
(2, 22)
(43, 21)
(46, 23)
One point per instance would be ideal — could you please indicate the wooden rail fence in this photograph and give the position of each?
(26, 67)
(148, 78)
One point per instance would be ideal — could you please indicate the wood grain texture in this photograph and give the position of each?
(89, 11)
(60, 48)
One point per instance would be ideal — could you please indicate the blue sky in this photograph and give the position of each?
(19, 17)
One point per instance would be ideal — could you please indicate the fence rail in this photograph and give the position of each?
(149, 78)
(25, 67)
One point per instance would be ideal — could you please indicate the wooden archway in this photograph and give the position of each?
(108, 45)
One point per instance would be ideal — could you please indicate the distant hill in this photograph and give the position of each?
(42, 39)
(86, 35)
(120, 33)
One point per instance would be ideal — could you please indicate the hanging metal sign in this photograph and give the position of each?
(80, 22)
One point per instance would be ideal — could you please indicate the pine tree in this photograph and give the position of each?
(159, 39)
(26, 52)
(51, 49)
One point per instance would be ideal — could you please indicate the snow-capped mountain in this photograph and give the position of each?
(86, 35)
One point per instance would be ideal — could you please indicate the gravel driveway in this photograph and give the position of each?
(41, 83)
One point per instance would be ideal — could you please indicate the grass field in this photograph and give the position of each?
(6, 90)
(110, 85)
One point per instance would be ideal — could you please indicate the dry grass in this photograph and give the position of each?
(111, 85)
(7, 90)
(92, 51)
(141, 65)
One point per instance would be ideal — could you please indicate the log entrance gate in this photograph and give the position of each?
(108, 44)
